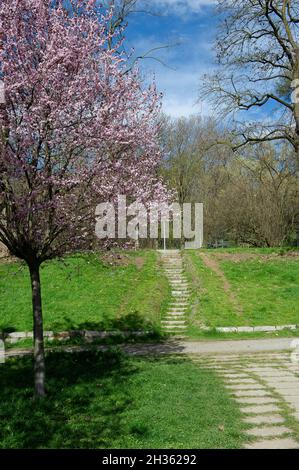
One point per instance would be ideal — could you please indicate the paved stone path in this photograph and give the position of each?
(175, 318)
(266, 388)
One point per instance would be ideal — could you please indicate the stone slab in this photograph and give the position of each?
(282, 382)
(241, 381)
(264, 419)
(246, 387)
(237, 375)
(256, 400)
(251, 393)
(269, 431)
(257, 409)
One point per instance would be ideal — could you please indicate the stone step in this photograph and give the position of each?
(177, 308)
(176, 332)
(169, 326)
(170, 270)
(173, 260)
(173, 266)
(183, 290)
(176, 312)
(170, 318)
(179, 304)
(175, 316)
(174, 274)
(180, 296)
(180, 289)
(180, 286)
(174, 270)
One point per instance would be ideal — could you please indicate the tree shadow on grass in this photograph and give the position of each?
(130, 323)
(87, 397)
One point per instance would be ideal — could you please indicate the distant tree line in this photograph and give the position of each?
(250, 196)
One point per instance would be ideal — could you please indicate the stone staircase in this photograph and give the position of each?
(174, 321)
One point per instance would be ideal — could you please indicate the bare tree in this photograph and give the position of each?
(123, 9)
(251, 198)
(258, 56)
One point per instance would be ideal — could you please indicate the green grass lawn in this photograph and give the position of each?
(263, 288)
(98, 400)
(83, 292)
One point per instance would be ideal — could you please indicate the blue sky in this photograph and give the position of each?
(192, 25)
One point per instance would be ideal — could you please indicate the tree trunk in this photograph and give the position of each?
(297, 213)
(296, 113)
(38, 333)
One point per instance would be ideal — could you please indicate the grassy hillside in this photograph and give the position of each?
(125, 291)
(243, 287)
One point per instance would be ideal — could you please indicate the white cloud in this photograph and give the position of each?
(180, 89)
(179, 79)
(180, 7)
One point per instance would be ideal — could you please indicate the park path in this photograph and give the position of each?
(175, 319)
(266, 387)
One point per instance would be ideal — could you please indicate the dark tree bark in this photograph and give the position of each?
(38, 335)
(296, 114)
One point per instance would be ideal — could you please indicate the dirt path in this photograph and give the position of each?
(212, 264)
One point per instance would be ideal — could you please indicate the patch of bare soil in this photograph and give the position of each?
(212, 264)
(241, 257)
(235, 257)
(139, 261)
(111, 258)
(3, 251)
(5, 256)
(291, 254)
